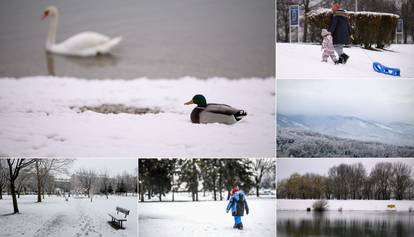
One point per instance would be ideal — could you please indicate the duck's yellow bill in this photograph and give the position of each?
(189, 102)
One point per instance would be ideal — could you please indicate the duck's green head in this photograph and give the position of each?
(199, 100)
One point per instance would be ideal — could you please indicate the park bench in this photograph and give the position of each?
(119, 217)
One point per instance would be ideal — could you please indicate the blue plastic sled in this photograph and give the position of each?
(378, 67)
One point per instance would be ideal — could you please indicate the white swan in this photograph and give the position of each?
(83, 44)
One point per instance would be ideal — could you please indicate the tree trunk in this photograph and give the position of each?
(159, 197)
(13, 193)
(173, 194)
(257, 190)
(214, 193)
(39, 186)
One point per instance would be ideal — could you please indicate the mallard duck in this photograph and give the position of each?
(214, 113)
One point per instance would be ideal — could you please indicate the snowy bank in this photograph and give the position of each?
(346, 205)
(39, 116)
(56, 217)
(303, 61)
(189, 219)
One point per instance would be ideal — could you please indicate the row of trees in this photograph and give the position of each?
(403, 8)
(157, 177)
(43, 176)
(385, 181)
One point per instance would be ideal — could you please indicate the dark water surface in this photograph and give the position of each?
(345, 224)
(161, 38)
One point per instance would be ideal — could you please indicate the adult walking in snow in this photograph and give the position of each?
(237, 204)
(340, 31)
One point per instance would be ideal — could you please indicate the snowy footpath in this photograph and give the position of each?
(303, 61)
(56, 217)
(346, 205)
(205, 218)
(41, 116)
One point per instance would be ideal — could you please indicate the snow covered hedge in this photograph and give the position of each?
(367, 28)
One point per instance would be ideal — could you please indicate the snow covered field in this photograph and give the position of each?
(205, 218)
(303, 61)
(37, 118)
(346, 205)
(56, 217)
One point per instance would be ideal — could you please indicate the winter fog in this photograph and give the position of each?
(380, 100)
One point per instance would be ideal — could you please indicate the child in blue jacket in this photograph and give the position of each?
(237, 204)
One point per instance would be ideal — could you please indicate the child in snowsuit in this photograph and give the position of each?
(237, 204)
(327, 47)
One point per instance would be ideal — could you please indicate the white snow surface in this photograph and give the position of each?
(346, 205)
(303, 61)
(36, 118)
(205, 218)
(56, 217)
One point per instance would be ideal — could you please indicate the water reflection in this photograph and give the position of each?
(50, 64)
(354, 224)
(100, 61)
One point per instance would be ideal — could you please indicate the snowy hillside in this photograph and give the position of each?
(48, 116)
(296, 142)
(352, 128)
(205, 219)
(303, 61)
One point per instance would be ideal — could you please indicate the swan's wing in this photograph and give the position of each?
(221, 109)
(86, 44)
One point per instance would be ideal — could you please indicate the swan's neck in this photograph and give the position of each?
(51, 37)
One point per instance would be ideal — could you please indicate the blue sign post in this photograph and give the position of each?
(294, 13)
(399, 30)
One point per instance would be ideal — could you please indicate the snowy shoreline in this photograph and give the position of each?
(38, 119)
(346, 205)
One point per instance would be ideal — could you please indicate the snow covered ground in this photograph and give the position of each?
(303, 61)
(205, 218)
(346, 205)
(56, 217)
(37, 118)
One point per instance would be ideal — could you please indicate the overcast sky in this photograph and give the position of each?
(376, 99)
(114, 166)
(286, 167)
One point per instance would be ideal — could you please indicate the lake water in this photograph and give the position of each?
(345, 224)
(161, 38)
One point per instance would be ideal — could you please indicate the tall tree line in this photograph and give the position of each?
(385, 181)
(157, 177)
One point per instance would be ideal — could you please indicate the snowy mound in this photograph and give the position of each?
(42, 116)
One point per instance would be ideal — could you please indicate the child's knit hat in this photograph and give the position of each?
(324, 32)
(234, 190)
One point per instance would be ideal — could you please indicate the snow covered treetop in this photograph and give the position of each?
(367, 28)
(326, 11)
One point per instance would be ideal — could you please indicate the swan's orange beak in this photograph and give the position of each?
(45, 14)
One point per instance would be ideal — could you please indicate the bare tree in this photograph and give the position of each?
(381, 176)
(86, 180)
(3, 176)
(44, 167)
(400, 179)
(260, 168)
(15, 166)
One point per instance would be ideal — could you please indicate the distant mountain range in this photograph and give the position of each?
(298, 142)
(349, 127)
